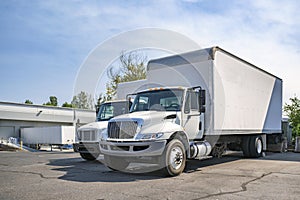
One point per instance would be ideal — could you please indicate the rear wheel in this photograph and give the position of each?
(245, 146)
(174, 158)
(116, 163)
(89, 156)
(252, 146)
(256, 146)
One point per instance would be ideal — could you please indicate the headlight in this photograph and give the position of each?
(150, 136)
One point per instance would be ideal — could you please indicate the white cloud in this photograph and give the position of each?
(263, 32)
(266, 33)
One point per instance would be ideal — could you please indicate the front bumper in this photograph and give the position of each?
(86, 147)
(133, 149)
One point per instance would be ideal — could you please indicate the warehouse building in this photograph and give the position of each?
(15, 116)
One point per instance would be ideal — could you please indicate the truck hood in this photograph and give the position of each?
(147, 119)
(94, 125)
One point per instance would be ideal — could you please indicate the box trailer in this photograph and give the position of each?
(52, 135)
(240, 97)
(200, 104)
(130, 87)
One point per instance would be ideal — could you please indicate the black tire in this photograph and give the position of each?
(89, 156)
(245, 146)
(116, 163)
(174, 158)
(256, 146)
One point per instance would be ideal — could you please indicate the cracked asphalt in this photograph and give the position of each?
(64, 175)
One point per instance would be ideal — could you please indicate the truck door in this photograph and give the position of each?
(192, 119)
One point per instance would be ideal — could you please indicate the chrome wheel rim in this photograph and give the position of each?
(176, 158)
(258, 146)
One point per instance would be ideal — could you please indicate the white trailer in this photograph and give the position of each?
(52, 135)
(130, 87)
(203, 102)
(240, 97)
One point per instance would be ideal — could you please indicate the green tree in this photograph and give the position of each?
(52, 102)
(101, 99)
(67, 105)
(131, 68)
(293, 112)
(28, 101)
(83, 100)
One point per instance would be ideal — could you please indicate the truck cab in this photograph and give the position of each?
(159, 128)
(89, 134)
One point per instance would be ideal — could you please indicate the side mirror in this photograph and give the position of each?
(129, 99)
(201, 101)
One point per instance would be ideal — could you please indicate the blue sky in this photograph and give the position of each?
(43, 43)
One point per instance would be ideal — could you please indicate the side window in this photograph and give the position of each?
(187, 105)
(194, 100)
(107, 112)
(191, 102)
(103, 112)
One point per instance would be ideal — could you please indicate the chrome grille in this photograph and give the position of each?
(122, 129)
(88, 135)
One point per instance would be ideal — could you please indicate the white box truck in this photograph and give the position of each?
(89, 135)
(203, 103)
(52, 135)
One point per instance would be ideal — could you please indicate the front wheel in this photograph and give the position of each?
(174, 158)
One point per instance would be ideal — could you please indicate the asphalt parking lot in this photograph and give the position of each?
(64, 175)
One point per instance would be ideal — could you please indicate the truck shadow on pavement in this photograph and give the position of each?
(76, 169)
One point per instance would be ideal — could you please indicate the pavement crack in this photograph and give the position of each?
(235, 175)
(243, 188)
(244, 185)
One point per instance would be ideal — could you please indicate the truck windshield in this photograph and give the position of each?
(159, 100)
(110, 110)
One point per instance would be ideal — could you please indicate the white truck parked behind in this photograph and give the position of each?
(203, 102)
(89, 134)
